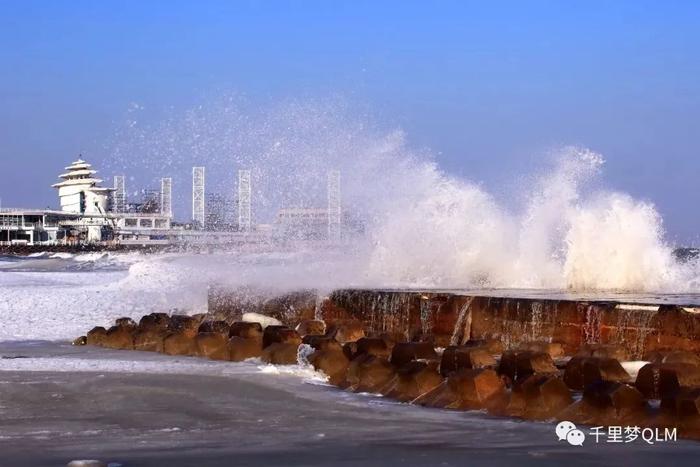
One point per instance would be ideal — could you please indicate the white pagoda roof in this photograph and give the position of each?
(80, 173)
(79, 164)
(78, 181)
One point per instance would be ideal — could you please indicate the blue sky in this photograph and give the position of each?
(488, 86)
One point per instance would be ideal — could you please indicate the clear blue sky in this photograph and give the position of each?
(484, 84)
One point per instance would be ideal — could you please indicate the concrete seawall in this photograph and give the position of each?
(452, 318)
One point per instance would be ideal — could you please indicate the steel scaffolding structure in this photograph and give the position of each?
(334, 205)
(198, 196)
(166, 196)
(119, 201)
(244, 195)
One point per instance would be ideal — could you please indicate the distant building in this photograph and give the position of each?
(144, 220)
(30, 226)
(313, 224)
(218, 213)
(86, 215)
(91, 213)
(79, 191)
(302, 223)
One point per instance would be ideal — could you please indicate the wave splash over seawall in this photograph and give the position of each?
(454, 233)
(420, 225)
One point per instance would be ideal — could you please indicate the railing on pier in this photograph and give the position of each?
(18, 224)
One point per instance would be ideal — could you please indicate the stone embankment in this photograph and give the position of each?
(587, 363)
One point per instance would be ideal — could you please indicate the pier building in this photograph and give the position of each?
(94, 214)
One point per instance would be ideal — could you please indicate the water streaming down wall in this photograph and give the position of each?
(453, 319)
(592, 322)
(634, 325)
(396, 313)
(462, 328)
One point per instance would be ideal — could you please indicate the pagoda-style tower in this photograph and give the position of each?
(79, 191)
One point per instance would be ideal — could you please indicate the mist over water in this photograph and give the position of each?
(421, 226)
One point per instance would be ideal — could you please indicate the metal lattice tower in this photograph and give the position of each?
(198, 196)
(166, 196)
(334, 205)
(119, 194)
(244, 194)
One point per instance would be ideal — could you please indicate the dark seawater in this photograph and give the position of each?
(59, 403)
